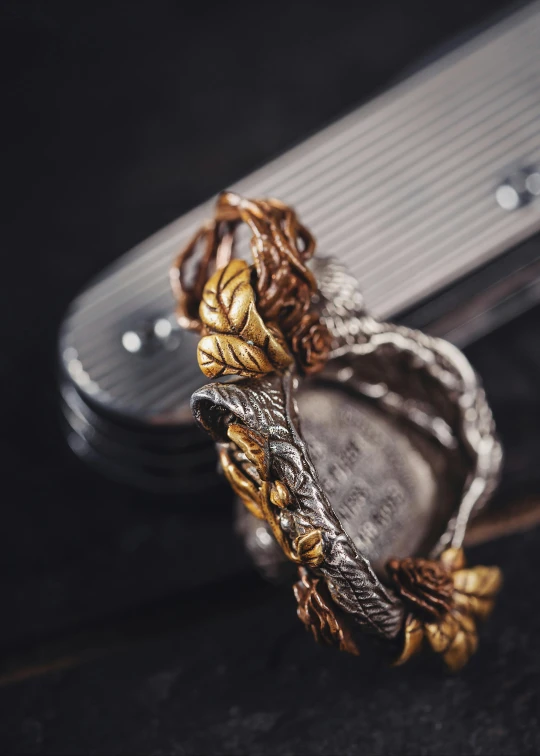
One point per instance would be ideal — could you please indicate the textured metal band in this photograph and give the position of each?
(449, 403)
(267, 406)
(425, 380)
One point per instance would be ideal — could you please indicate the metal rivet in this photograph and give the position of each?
(519, 188)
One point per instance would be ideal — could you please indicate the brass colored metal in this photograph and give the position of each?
(309, 548)
(270, 325)
(413, 638)
(455, 638)
(272, 518)
(475, 589)
(252, 445)
(237, 341)
(241, 484)
(453, 559)
(264, 498)
(451, 631)
(279, 495)
(284, 290)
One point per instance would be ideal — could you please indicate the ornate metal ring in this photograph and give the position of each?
(361, 448)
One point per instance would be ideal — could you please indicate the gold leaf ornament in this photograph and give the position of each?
(475, 590)
(413, 637)
(246, 486)
(455, 638)
(261, 497)
(241, 484)
(454, 635)
(252, 445)
(237, 341)
(309, 548)
(279, 495)
(265, 498)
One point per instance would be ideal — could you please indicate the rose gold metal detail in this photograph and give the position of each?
(320, 615)
(425, 585)
(281, 298)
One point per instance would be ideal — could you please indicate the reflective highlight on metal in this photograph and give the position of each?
(406, 188)
(423, 383)
(520, 188)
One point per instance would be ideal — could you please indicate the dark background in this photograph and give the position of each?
(118, 632)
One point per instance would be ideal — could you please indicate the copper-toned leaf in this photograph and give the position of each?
(320, 615)
(424, 585)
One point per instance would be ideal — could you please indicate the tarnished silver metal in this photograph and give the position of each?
(421, 378)
(382, 478)
(386, 453)
(267, 406)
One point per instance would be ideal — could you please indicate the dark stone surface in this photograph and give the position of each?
(248, 680)
(117, 118)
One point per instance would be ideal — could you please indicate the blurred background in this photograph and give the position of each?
(119, 634)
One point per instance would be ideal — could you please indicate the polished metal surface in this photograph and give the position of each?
(520, 188)
(265, 406)
(382, 486)
(344, 492)
(382, 479)
(402, 191)
(405, 191)
(399, 483)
